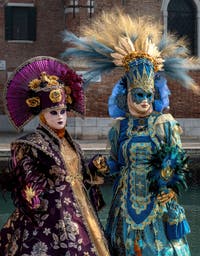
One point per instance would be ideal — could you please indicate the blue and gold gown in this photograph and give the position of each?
(135, 214)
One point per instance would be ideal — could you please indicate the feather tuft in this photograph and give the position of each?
(115, 39)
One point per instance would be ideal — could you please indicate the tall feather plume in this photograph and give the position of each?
(91, 53)
(115, 38)
(178, 61)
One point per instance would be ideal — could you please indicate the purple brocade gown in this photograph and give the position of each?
(53, 215)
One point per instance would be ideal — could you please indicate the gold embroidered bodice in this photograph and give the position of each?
(71, 160)
(74, 176)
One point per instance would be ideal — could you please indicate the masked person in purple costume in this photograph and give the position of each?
(48, 178)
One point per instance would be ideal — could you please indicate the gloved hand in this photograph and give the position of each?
(165, 196)
(98, 165)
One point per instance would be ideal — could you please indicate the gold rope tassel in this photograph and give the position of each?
(137, 247)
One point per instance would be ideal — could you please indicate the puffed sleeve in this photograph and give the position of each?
(29, 181)
(168, 130)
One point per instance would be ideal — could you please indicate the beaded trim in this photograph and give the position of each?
(157, 63)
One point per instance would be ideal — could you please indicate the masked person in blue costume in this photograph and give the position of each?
(146, 156)
(148, 162)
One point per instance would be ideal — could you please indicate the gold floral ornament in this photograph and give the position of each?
(167, 173)
(33, 102)
(50, 80)
(68, 97)
(55, 95)
(34, 84)
(29, 193)
(31, 196)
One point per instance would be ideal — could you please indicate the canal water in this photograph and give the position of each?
(190, 200)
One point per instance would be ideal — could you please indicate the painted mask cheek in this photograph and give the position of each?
(150, 97)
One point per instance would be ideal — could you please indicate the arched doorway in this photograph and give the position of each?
(188, 12)
(182, 21)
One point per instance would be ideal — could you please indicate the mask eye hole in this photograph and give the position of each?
(62, 111)
(53, 112)
(140, 95)
(149, 95)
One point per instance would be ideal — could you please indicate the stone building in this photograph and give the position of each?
(29, 28)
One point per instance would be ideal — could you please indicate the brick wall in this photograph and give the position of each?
(51, 21)
(50, 24)
(183, 102)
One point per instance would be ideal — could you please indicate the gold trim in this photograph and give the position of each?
(140, 54)
(72, 162)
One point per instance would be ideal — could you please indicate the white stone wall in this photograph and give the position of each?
(190, 126)
(97, 128)
(5, 125)
(89, 127)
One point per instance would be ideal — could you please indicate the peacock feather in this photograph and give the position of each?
(170, 170)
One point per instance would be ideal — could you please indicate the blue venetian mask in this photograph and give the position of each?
(139, 95)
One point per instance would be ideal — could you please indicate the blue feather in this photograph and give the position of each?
(91, 74)
(114, 108)
(175, 159)
(72, 38)
(95, 54)
(176, 69)
(80, 53)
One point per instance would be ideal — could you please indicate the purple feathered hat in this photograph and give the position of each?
(40, 83)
